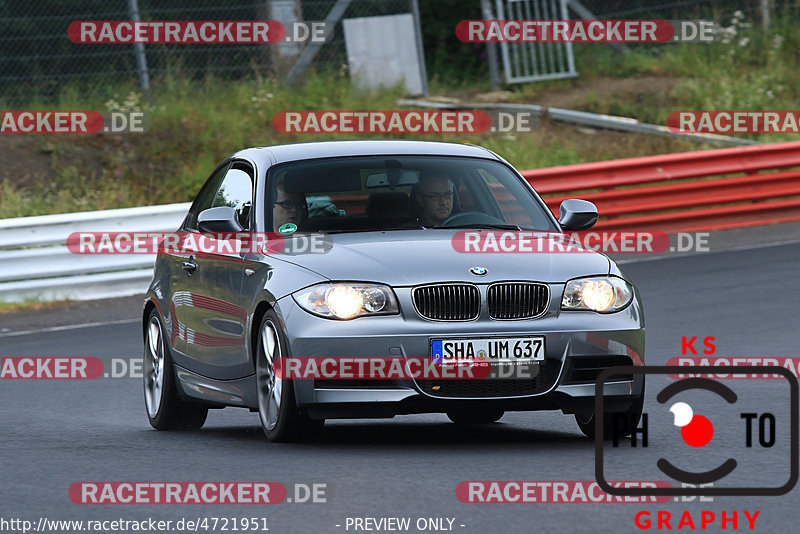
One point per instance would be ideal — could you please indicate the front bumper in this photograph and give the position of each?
(578, 346)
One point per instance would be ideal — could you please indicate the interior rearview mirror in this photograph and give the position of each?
(393, 177)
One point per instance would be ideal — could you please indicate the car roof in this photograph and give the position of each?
(373, 147)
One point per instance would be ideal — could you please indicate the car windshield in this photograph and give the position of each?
(357, 194)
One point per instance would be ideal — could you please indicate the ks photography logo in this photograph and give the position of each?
(698, 436)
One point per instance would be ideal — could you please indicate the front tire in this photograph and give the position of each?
(632, 416)
(280, 417)
(165, 409)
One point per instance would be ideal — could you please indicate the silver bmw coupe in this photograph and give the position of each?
(375, 278)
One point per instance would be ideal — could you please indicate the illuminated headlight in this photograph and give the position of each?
(347, 301)
(604, 294)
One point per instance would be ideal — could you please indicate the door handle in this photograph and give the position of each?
(190, 266)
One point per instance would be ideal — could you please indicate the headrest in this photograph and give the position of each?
(321, 179)
(389, 205)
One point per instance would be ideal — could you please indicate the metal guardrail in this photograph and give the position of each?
(686, 191)
(669, 192)
(584, 118)
(35, 263)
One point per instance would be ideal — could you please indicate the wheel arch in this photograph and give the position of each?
(258, 314)
(149, 306)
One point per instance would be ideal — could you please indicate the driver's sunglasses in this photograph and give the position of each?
(289, 205)
(438, 196)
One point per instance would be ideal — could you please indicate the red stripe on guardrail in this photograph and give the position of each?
(685, 191)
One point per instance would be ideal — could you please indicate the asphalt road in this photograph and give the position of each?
(58, 432)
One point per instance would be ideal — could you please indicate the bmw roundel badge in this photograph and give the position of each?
(479, 271)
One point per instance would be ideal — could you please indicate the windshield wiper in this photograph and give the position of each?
(341, 231)
(481, 226)
(393, 228)
(355, 230)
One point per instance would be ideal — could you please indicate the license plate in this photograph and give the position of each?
(491, 349)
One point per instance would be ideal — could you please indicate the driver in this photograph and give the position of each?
(433, 198)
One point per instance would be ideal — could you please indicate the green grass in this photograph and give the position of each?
(747, 70)
(195, 124)
(31, 303)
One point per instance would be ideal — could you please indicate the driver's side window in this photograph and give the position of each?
(205, 198)
(236, 192)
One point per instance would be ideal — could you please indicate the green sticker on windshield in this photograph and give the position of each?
(287, 229)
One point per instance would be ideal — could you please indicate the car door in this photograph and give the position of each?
(215, 315)
(180, 278)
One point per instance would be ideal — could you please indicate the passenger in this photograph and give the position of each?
(288, 208)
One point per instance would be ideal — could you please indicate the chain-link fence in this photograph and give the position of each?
(766, 13)
(534, 61)
(37, 57)
(673, 10)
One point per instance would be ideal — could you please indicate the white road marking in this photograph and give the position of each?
(68, 327)
(643, 258)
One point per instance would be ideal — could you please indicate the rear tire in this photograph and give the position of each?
(481, 417)
(281, 419)
(165, 409)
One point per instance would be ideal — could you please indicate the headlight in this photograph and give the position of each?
(603, 294)
(347, 300)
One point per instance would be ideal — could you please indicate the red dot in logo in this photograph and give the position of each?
(698, 432)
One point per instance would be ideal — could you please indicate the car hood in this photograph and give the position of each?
(412, 257)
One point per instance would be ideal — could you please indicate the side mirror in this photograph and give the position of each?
(577, 215)
(221, 219)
